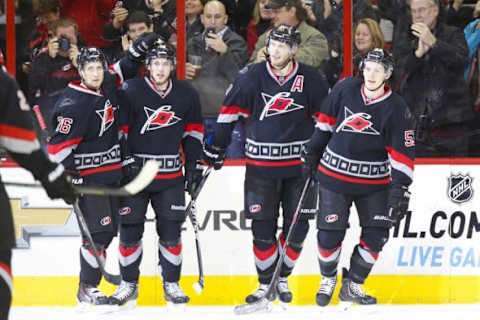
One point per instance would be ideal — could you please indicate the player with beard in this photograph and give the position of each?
(86, 141)
(162, 116)
(362, 152)
(279, 98)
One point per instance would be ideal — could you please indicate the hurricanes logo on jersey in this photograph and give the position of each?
(107, 116)
(357, 123)
(159, 118)
(278, 104)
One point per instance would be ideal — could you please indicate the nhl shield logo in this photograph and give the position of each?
(460, 188)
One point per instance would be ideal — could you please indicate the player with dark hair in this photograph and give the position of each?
(279, 98)
(162, 117)
(362, 152)
(18, 138)
(86, 141)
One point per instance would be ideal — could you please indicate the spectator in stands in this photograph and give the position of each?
(161, 14)
(459, 15)
(54, 68)
(328, 19)
(366, 37)
(261, 22)
(312, 50)
(193, 10)
(46, 12)
(239, 12)
(472, 72)
(398, 11)
(214, 58)
(432, 83)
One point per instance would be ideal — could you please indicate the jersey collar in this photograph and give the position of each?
(283, 79)
(385, 95)
(77, 85)
(155, 88)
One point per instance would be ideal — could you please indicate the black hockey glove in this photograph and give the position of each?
(213, 156)
(58, 184)
(398, 199)
(310, 161)
(130, 168)
(193, 176)
(139, 48)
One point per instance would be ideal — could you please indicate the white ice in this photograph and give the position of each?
(380, 312)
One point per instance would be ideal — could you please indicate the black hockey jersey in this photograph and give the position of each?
(280, 114)
(85, 137)
(158, 125)
(366, 144)
(19, 139)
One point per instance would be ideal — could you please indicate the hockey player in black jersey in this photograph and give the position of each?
(162, 117)
(18, 138)
(86, 142)
(362, 152)
(279, 99)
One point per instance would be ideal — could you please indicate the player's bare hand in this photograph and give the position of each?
(53, 47)
(216, 43)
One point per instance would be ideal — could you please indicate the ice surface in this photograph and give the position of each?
(380, 312)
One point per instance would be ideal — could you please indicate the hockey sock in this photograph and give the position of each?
(131, 251)
(361, 262)
(89, 270)
(170, 249)
(266, 255)
(329, 247)
(265, 248)
(6, 284)
(294, 247)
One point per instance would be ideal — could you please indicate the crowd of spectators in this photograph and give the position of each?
(435, 45)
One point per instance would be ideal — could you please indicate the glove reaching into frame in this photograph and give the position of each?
(310, 160)
(58, 184)
(139, 48)
(398, 200)
(213, 156)
(193, 176)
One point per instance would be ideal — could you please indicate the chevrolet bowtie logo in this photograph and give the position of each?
(41, 221)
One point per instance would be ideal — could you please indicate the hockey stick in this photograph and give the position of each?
(262, 303)
(192, 214)
(113, 279)
(142, 180)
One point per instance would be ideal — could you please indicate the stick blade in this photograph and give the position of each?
(144, 178)
(262, 305)
(198, 287)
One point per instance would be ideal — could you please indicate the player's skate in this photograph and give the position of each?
(89, 296)
(325, 292)
(125, 296)
(258, 294)
(283, 292)
(352, 292)
(174, 295)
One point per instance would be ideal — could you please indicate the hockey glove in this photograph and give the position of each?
(139, 48)
(130, 168)
(398, 199)
(310, 161)
(213, 156)
(193, 176)
(58, 184)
